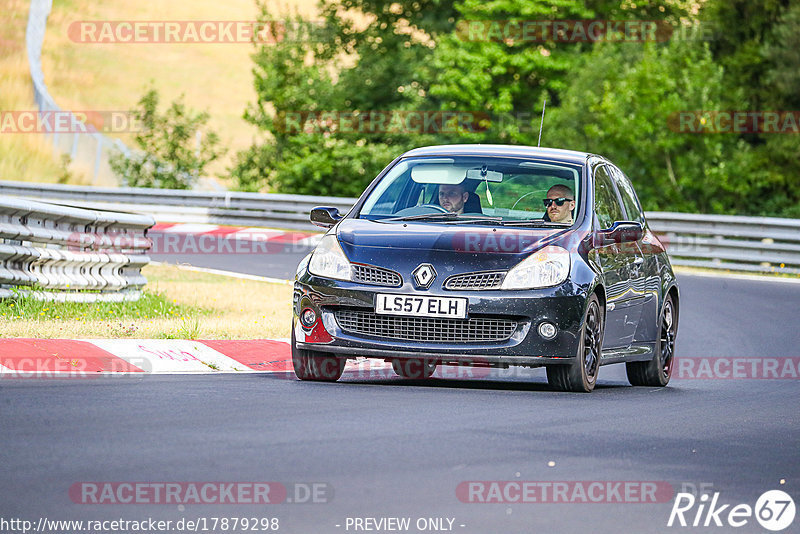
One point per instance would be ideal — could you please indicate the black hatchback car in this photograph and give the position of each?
(493, 256)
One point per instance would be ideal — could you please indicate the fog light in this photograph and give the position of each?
(308, 317)
(547, 330)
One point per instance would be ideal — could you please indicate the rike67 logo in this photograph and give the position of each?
(774, 510)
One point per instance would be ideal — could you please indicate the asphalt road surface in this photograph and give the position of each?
(273, 260)
(379, 447)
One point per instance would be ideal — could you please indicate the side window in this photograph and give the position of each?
(606, 205)
(628, 195)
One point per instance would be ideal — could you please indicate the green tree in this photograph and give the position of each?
(170, 156)
(627, 104)
(757, 42)
(509, 78)
(338, 68)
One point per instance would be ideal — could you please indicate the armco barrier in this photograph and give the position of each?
(759, 244)
(183, 206)
(714, 241)
(53, 252)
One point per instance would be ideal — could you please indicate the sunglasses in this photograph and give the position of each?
(559, 201)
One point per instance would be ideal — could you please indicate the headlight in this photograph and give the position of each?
(547, 267)
(328, 260)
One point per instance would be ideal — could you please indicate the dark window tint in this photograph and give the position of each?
(628, 195)
(606, 205)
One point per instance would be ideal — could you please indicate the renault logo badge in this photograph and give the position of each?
(424, 275)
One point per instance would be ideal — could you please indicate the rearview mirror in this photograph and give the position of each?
(325, 216)
(484, 175)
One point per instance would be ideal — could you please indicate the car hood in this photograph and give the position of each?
(472, 247)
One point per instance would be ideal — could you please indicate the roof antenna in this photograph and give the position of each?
(541, 126)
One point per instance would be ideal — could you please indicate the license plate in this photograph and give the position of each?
(421, 305)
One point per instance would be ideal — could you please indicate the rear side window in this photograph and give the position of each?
(628, 195)
(606, 204)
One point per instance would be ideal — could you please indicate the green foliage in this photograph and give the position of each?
(293, 76)
(783, 55)
(620, 99)
(312, 164)
(171, 156)
(626, 105)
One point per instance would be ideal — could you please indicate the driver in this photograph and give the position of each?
(452, 197)
(560, 202)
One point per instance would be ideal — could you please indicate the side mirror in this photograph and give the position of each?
(620, 232)
(325, 216)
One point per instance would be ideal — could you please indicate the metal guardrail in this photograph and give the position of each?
(176, 205)
(90, 148)
(758, 244)
(53, 252)
(761, 244)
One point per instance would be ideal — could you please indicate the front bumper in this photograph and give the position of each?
(562, 306)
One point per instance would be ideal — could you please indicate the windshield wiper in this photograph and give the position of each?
(476, 219)
(536, 223)
(447, 217)
(424, 216)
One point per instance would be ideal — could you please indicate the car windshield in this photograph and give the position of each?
(476, 190)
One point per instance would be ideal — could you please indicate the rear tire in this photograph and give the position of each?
(317, 366)
(581, 375)
(414, 368)
(657, 372)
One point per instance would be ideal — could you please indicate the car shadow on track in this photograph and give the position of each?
(532, 383)
(487, 384)
(484, 384)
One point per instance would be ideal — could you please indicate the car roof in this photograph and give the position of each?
(569, 156)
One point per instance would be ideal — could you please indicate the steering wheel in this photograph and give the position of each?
(422, 209)
(523, 196)
(437, 207)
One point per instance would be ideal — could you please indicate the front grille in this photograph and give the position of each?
(377, 276)
(427, 329)
(476, 281)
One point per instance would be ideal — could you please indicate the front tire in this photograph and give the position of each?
(657, 372)
(581, 375)
(317, 366)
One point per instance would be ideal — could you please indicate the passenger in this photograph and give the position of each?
(559, 204)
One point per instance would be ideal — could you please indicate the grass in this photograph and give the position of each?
(707, 270)
(213, 77)
(177, 304)
(24, 157)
